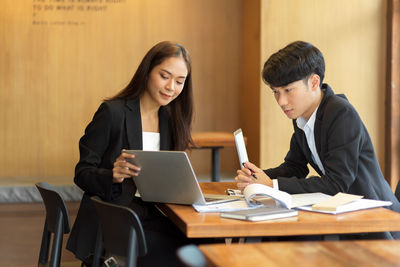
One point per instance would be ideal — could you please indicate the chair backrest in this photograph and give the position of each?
(53, 204)
(191, 256)
(56, 222)
(122, 231)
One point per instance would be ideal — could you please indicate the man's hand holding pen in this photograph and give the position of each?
(249, 174)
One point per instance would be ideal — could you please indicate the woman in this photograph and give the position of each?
(154, 112)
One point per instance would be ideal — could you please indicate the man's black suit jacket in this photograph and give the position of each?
(346, 152)
(115, 126)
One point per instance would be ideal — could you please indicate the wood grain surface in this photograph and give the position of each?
(195, 224)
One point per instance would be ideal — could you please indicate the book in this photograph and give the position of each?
(256, 194)
(358, 204)
(333, 203)
(260, 214)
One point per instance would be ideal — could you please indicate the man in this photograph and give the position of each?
(328, 133)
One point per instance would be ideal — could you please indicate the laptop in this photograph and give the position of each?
(168, 177)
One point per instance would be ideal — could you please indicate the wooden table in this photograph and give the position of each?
(214, 141)
(325, 253)
(209, 225)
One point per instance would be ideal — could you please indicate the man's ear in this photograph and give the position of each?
(314, 81)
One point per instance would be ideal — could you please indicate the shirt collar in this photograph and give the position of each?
(302, 123)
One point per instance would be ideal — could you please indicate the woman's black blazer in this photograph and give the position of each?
(115, 126)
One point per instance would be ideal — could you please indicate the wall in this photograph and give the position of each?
(60, 58)
(250, 83)
(57, 65)
(352, 37)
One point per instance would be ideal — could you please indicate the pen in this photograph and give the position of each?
(252, 173)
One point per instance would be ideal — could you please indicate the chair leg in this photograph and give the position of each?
(215, 176)
(132, 249)
(99, 247)
(57, 242)
(44, 247)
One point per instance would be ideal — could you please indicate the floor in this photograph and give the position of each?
(21, 223)
(21, 227)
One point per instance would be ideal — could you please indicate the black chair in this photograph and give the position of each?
(57, 222)
(120, 233)
(191, 256)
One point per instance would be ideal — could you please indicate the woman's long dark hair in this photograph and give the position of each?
(181, 108)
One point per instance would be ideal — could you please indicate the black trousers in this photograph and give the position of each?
(163, 239)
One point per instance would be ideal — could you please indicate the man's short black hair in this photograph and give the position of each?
(297, 61)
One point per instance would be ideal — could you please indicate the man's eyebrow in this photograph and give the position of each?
(183, 77)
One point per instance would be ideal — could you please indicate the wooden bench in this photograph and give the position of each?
(214, 141)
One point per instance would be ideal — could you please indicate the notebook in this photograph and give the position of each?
(168, 177)
(260, 214)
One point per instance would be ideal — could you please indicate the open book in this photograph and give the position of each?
(316, 202)
(259, 193)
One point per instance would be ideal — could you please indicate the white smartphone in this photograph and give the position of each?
(240, 147)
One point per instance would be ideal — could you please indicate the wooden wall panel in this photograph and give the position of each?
(59, 59)
(393, 95)
(352, 36)
(250, 85)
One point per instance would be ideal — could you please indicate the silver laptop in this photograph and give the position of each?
(168, 177)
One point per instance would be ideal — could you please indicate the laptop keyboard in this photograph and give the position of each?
(210, 199)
